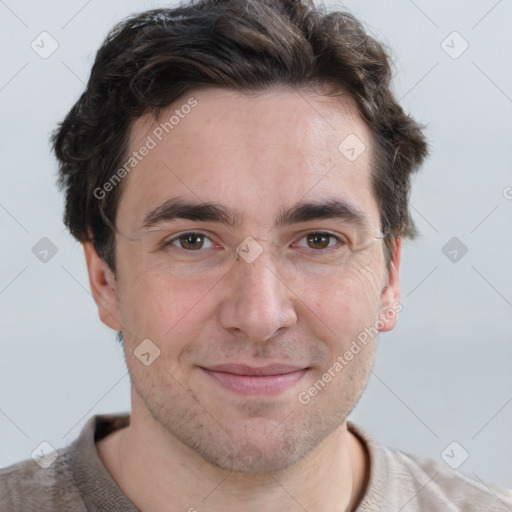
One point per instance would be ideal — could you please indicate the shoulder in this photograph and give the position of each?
(71, 478)
(30, 487)
(429, 482)
(412, 483)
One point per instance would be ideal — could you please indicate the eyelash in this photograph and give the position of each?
(340, 240)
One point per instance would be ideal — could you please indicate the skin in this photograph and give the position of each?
(191, 443)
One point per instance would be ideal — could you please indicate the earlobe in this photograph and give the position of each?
(390, 297)
(103, 287)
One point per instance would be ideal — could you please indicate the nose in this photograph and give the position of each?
(258, 302)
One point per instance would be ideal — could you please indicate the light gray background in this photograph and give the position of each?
(443, 375)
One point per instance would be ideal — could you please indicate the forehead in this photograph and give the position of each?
(254, 153)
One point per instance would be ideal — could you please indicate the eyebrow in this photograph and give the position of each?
(325, 209)
(331, 208)
(177, 208)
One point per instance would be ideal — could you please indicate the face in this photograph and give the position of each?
(248, 252)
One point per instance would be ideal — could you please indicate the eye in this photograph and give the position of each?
(190, 241)
(320, 240)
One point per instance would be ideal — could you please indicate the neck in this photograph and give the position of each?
(158, 473)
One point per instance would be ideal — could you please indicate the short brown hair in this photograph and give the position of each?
(151, 59)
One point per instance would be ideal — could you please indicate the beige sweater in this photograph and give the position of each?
(78, 481)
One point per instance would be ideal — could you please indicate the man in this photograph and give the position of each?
(238, 174)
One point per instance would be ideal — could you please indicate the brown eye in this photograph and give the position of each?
(320, 240)
(189, 241)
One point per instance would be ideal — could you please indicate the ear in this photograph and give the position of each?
(390, 296)
(103, 287)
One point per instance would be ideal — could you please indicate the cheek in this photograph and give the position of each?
(159, 305)
(368, 281)
(341, 306)
(347, 304)
(367, 276)
(350, 290)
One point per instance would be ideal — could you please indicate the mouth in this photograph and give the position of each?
(247, 380)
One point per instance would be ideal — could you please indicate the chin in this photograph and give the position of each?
(251, 459)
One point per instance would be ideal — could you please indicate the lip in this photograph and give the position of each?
(248, 380)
